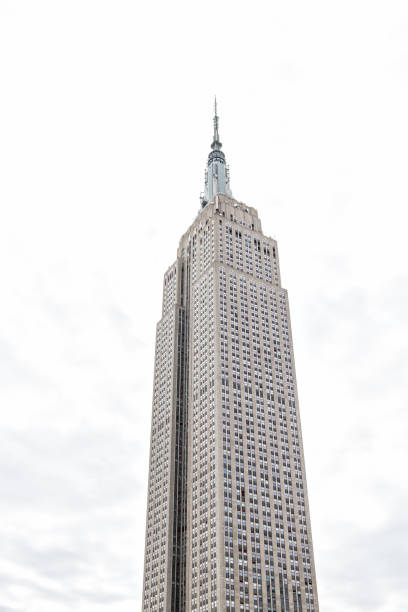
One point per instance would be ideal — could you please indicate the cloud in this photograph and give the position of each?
(14, 370)
(72, 439)
(69, 505)
(355, 397)
(124, 326)
(379, 552)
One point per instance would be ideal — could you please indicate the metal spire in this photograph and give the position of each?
(216, 144)
(217, 173)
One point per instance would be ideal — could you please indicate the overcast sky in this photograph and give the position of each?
(105, 126)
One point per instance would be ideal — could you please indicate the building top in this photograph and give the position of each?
(224, 208)
(217, 172)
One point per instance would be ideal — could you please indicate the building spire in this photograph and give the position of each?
(216, 144)
(217, 173)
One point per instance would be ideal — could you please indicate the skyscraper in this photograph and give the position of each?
(228, 524)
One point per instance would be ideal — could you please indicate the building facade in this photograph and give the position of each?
(228, 525)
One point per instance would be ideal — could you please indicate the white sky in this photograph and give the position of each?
(105, 126)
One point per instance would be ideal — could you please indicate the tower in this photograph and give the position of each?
(228, 525)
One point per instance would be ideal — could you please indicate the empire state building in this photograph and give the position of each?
(228, 524)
